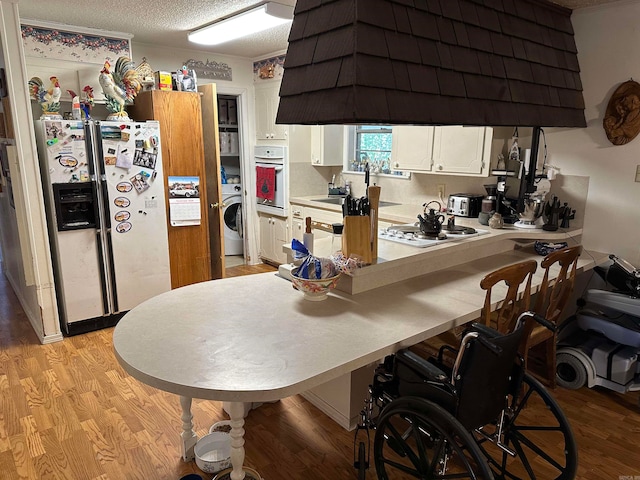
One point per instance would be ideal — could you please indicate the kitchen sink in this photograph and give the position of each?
(338, 201)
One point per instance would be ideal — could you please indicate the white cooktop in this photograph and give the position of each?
(396, 234)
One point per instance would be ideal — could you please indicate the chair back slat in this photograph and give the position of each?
(554, 293)
(515, 301)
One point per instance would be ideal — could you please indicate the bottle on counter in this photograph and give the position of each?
(336, 237)
(307, 236)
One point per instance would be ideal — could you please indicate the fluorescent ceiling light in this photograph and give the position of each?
(263, 17)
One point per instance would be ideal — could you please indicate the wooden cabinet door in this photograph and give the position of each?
(273, 235)
(214, 207)
(267, 101)
(263, 107)
(412, 148)
(266, 238)
(281, 237)
(327, 145)
(461, 150)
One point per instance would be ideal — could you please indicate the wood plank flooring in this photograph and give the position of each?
(68, 411)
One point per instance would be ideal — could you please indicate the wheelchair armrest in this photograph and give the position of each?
(484, 330)
(446, 348)
(421, 366)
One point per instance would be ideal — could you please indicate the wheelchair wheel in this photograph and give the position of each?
(416, 438)
(539, 433)
(362, 462)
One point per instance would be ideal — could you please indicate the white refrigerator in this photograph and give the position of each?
(105, 200)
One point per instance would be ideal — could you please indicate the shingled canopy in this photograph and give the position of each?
(432, 62)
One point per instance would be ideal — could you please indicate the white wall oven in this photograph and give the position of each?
(271, 180)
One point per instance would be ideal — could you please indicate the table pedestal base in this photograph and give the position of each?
(249, 474)
(189, 437)
(189, 440)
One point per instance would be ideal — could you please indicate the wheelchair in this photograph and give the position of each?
(483, 418)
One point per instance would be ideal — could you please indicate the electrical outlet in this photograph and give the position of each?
(638, 173)
(441, 190)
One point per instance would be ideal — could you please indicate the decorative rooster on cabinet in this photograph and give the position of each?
(86, 100)
(120, 86)
(49, 99)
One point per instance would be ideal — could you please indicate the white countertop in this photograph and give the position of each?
(397, 262)
(255, 338)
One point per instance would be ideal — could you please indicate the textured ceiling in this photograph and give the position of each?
(167, 22)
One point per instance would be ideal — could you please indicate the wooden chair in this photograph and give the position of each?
(503, 318)
(551, 300)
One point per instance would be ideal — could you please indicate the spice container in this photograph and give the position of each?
(336, 237)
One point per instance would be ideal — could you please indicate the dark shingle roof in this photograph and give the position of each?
(464, 62)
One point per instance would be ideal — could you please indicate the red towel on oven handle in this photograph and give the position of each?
(266, 182)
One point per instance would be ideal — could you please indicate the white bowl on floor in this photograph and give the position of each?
(213, 452)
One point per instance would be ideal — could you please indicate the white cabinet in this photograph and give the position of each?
(273, 235)
(71, 75)
(411, 148)
(297, 221)
(297, 228)
(267, 101)
(450, 150)
(462, 150)
(327, 145)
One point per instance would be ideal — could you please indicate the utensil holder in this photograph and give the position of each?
(356, 237)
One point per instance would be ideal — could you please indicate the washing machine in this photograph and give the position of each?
(232, 217)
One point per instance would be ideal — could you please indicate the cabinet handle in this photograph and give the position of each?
(439, 167)
(396, 165)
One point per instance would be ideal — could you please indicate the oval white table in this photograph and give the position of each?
(256, 339)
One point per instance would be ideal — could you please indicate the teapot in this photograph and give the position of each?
(431, 223)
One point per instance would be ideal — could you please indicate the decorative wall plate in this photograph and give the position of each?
(622, 117)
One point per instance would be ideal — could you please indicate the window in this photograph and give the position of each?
(373, 146)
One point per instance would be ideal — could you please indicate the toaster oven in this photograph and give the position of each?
(464, 204)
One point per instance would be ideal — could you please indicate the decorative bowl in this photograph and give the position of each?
(213, 452)
(544, 248)
(314, 290)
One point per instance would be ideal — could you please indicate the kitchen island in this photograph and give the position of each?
(256, 339)
(397, 262)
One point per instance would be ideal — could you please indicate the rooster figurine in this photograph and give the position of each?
(86, 101)
(49, 99)
(119, 86)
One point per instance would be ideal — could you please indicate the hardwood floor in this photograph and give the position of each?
(68, 411)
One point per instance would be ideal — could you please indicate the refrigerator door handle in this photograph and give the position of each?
(112, 269)
(103, 278)
(105, 204)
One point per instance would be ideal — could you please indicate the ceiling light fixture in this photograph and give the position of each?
(243, 23)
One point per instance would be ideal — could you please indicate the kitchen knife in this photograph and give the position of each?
(366, 177)
(373, 202)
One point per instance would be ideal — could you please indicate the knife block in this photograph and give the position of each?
(356, 237)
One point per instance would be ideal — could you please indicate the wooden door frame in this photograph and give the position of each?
(249, 212)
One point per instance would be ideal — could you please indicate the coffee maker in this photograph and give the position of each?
(489, 202)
